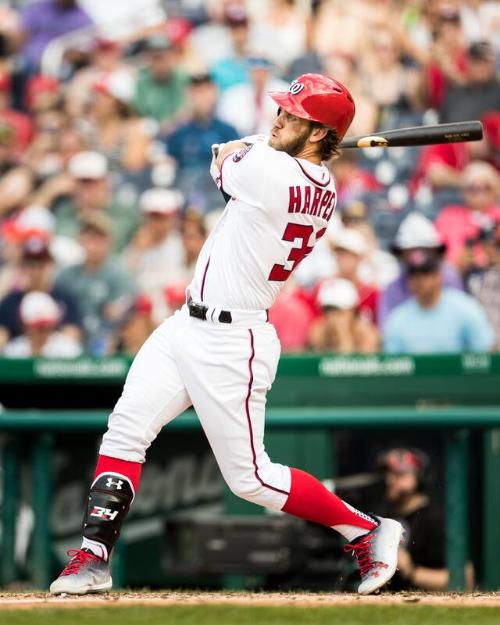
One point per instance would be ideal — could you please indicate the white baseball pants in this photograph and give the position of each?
(224, 371)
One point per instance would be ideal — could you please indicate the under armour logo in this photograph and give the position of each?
(110, 483)
(295, 87)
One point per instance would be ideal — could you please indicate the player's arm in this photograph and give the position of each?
(227, 149)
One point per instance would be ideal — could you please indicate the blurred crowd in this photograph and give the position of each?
(106, 121)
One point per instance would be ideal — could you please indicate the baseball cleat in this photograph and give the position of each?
(377, 554)
(84, 573)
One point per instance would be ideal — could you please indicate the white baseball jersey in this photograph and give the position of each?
(280, 207)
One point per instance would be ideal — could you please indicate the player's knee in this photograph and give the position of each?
(245, 487)
(127, 445)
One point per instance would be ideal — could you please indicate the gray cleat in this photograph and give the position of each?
(84, 573)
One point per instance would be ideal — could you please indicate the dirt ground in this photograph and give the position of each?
(162, 598)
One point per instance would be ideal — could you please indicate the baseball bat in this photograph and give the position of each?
(419, 135)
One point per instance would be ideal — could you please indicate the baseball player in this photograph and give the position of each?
(219, 353)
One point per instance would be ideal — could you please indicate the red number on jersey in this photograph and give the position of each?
(298, 253)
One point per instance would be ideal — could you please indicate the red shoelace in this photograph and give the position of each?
(363, 552)
(78, 559)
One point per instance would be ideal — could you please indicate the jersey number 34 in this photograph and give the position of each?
(302, 234)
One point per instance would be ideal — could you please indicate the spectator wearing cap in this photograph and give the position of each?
(103, 288)
(479, 93)
(161, 87)
(40, 316)
(105, 57)
(489, 289)
(37, 273)
(415, 232)
(461, 226)
(42, 93)
(232, 70)
(435, 319)
(111, 128)
(43, 21)
(340, 329)
(86, 191)
(155, 254)
(406, 497)
(350, 248)
(247, 107)
(32, 222)
(190, 144)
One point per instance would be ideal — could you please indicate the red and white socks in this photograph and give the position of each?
(310, 500)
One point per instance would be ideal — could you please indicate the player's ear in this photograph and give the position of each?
(318, 133)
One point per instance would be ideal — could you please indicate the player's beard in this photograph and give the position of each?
(293, 146)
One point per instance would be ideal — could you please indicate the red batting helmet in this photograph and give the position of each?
(320, 99)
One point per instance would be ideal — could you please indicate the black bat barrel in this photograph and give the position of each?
(419, 135)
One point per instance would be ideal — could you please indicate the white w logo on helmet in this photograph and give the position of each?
(295, 87)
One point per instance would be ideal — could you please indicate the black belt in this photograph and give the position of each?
(200, 312)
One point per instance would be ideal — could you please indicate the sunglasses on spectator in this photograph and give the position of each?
(425, 271)
(88, 180)
(157, 215)
(478, 188)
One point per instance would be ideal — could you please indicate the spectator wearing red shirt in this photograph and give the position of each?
(441, 166)
(460, 226)
(292, 316)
